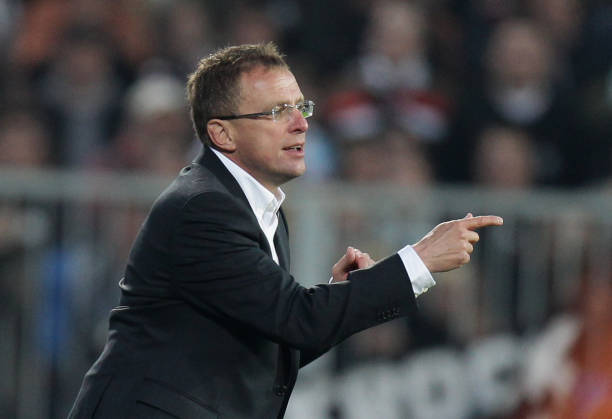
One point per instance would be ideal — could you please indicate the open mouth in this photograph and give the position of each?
(295, 147)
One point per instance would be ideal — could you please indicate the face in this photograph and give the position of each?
(519, 56)
(271, 151)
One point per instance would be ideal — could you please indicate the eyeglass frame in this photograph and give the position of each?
(272, 113)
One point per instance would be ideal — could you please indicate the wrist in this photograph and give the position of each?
(420, 250)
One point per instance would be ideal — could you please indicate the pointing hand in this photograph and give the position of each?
(449, 245)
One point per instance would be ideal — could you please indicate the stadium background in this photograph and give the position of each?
(425, 110)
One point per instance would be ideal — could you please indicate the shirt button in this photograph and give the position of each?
(280, 390)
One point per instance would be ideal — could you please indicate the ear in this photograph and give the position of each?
(220, 134)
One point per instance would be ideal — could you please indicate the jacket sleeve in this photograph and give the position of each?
(222, 270)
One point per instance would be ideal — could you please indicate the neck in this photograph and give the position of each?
(272, 187)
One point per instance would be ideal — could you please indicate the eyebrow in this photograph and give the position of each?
(282, 102)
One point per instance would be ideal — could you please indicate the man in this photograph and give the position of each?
(211, 324)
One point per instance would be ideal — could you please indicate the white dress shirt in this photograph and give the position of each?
(265, 206)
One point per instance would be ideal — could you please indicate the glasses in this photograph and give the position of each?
(278, 113)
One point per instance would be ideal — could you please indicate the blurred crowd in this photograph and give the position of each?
(501, 93)
(504, 94)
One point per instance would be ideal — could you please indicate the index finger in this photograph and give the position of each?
(482, 221)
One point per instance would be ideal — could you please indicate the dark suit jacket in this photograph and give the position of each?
(208, 325)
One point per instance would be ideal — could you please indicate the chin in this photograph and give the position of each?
(286, 177)
(297, 171)
(300, 172)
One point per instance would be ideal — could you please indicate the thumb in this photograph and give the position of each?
(348, 258)
(468, 215)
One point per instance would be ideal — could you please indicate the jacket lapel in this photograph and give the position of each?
(281, 242)
(209, 160)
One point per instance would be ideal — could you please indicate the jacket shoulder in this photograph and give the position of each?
(193, 181)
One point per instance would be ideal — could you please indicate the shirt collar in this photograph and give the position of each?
(260, 199)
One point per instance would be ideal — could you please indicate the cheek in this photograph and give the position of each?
(263, 145)
(271, 143)
(263, 153)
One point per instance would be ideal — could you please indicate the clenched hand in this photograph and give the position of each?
(352, 259)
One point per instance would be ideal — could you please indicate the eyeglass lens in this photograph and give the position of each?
(306, 109)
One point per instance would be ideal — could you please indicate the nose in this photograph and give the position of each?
(298, 122)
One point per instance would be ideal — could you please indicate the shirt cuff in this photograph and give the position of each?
(419, 275)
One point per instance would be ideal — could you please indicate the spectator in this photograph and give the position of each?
(520, 90)
(81, 93)
(190, 33)
(156, 134)
(24, 140)
(394, 158)
(250, 25)
(393, 83)
(395, 49)
(504, 159)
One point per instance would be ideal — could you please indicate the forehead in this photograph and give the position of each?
(268, 86)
